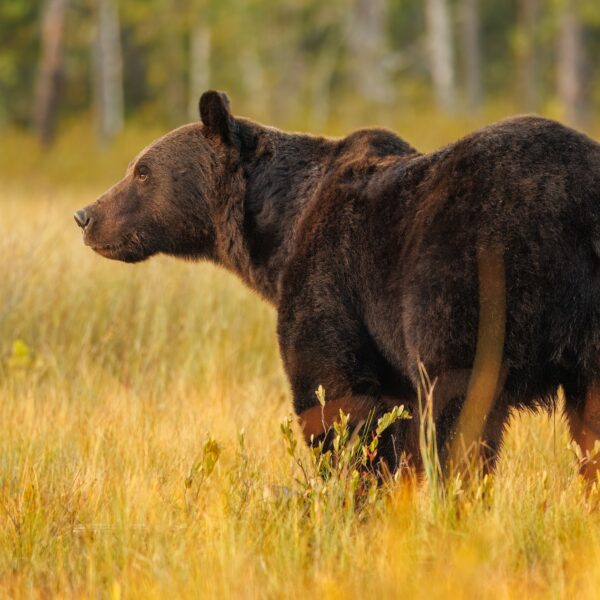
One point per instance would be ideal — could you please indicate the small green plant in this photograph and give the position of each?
(23, 363)
(243, 479)
(201, 469)
(347, 471)
(20, 357)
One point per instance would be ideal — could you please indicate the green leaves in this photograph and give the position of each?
(345, 475)
(398, 412)
(205, 463)
(320, 394)
(202, 468)
(288, 436)
(20, 357)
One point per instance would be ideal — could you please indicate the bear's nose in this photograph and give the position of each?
(81, 218)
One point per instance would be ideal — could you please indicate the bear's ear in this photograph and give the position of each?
(214, 112)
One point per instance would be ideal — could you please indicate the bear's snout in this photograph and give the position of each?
(82, 218)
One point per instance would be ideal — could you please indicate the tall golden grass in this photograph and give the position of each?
(120, 386)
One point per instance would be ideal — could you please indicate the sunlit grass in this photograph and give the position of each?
(113, 376)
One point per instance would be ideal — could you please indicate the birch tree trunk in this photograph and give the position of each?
(253, 78)
(441, 53)
(471, 51)
(320, 88)
(527, 53)
(174, 62)
(50, 75)
(108, 71)
(570, 63)
(199, 76)
(367, 48)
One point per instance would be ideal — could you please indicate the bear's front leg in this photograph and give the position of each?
(334, 351)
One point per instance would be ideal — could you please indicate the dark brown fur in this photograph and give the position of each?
(369, 249)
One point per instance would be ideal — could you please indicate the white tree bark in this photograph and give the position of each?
(174, 61)
(570, 62)
(527, 53)
(109, 71)
(199, 76)
(368, 49)
(51, 69)
(320, 88)
(441, 53)
(253, 78)
(471, 51)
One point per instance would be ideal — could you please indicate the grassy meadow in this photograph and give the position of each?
(141, 453)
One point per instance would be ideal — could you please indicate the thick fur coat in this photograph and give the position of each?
(375, 257)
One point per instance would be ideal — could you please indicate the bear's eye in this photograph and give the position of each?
(142, 172)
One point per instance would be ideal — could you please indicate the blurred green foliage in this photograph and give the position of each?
(286, 61)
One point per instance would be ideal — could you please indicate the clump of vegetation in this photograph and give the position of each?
(346, 475)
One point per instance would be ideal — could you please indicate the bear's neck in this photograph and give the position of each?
(280, 177)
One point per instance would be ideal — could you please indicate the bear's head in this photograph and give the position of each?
(165, 203)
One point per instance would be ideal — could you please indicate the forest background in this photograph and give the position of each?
(322, 66)
(146, 448)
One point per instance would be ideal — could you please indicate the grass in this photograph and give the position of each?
(124, 471)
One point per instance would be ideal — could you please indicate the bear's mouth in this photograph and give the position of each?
(107, 249)
(125, 251)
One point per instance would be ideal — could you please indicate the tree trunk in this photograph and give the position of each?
(320, 87)
(367, 46)
(109, 71)
(50, 75)
(441, 53)
(253, 78)
(570, 63)
(199, 76)
(471, 50)
(174, 61)
(527, 53)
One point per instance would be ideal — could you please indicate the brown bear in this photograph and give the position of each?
(477, 265)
